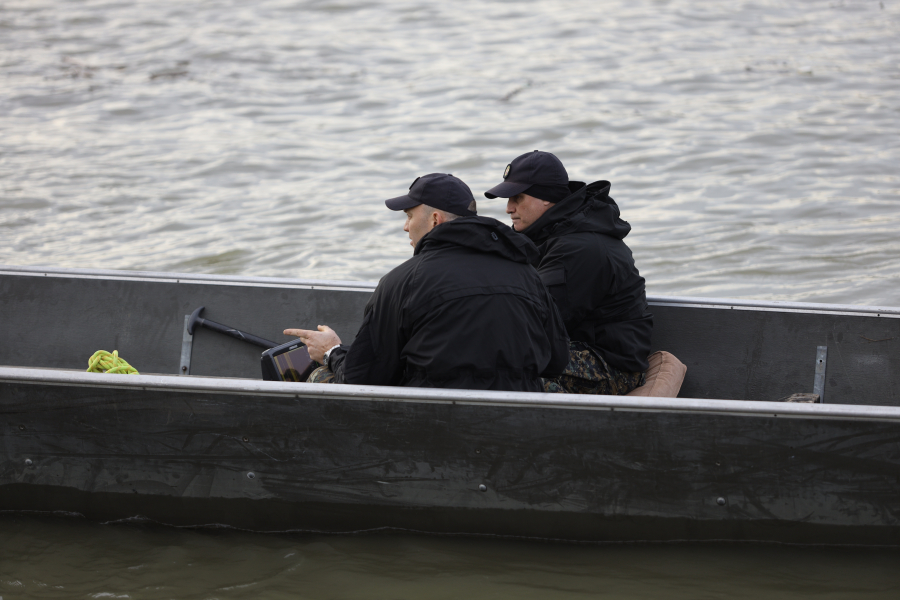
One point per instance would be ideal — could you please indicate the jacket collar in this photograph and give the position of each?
(482, 234)
(587, 209)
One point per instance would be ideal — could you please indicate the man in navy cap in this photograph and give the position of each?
(588, 269)
(467, 311)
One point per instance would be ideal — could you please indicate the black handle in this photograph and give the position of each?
(237, 334)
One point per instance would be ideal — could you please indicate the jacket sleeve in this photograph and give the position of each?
(576, 273)
(374, 356)
(558, 338)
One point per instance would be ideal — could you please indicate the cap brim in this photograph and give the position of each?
(507, 189)
(401, 203)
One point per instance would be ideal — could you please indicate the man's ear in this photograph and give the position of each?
(436, 219)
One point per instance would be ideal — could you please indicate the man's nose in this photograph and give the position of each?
(510, 207)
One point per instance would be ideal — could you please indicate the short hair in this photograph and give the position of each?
(449, 216)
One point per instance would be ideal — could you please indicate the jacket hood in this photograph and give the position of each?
(587, 209)
(482, 234)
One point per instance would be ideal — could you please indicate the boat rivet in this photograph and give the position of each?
(184, 368)
(21, 427)
(28, 461)
(251, 475)
(477, 451)
(482, 487)
(246, 439)
(720, 501)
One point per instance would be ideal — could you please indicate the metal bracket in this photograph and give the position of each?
(821, 363)
(187, 342)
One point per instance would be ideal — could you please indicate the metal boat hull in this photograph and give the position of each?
(270, 456)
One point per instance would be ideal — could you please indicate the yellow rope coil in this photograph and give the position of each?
(104, 362)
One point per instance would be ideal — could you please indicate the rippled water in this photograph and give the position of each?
(754, 147)
(139, 562)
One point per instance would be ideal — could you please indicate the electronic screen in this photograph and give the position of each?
(288, 362)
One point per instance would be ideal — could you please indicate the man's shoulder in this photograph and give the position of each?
(586, 255)
(451, 270)
(399, 276)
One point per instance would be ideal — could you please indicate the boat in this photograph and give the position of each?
(198, 439)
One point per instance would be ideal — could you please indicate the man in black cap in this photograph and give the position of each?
(588, 269)
(467, 311)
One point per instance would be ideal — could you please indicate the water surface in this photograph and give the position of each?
(753, 145)
(70, 559)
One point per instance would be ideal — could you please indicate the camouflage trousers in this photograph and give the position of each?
(321, 375)
(588, 373)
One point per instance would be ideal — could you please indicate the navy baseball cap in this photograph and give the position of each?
(437, 190)
(534, 168)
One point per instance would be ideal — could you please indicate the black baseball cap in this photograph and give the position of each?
(534, 168)
(437, 190)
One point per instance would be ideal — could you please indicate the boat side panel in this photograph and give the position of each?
(767, 355)
(58, 322)
(187, 459)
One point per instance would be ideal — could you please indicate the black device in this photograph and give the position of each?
(287, 362)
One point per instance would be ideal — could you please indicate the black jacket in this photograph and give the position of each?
(467, 311)
(591, 275)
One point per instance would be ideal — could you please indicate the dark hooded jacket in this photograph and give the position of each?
(591, 275)
(467, 311)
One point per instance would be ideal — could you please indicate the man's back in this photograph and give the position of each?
(467, 311)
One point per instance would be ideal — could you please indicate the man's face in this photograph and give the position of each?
(525, 210)
(418, 223)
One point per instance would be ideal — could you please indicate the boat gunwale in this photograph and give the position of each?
(290, 390)
(368, 286)
(170, 277)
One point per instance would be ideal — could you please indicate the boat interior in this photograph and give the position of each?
(732, 349)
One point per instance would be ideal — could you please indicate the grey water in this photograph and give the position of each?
(70, 559)
(754, 146)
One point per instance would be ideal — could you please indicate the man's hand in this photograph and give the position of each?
(317, 342)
